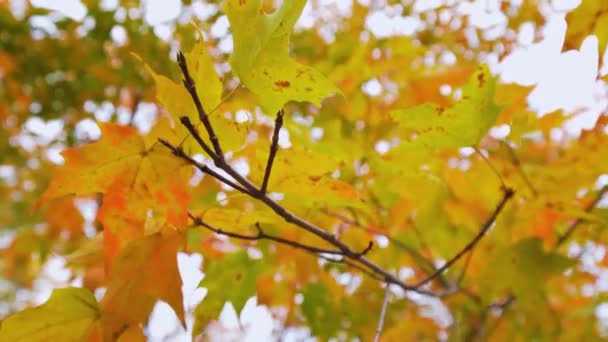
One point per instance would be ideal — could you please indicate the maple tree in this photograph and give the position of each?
(353, 214)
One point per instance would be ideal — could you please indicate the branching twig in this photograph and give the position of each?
(274, 147)
(191, 87)
(261, 235)
(423, 262)
(387, 291)
(508, 193)
(202, 167)
(250, 189)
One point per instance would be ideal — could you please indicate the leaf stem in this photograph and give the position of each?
(508, 193)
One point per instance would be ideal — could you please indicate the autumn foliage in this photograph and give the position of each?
(441, 207)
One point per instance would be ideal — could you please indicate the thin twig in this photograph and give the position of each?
(382, 312)
(517, 163)
(579, 220)
(508, 193)
(177, 151)
(274, 147)
(423, 262)
(261, 235)
(191, 87)
(491, 166)
(467, 261)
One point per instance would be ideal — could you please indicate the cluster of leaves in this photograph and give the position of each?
(351, 213)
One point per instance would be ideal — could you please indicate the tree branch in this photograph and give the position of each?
(256, 193)
(261, 235)
(274, 147)
(423, 262)
(191, 87)
(382, 313)
(508, 193)
(202, 167)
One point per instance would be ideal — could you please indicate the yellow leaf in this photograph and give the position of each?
(68, 315)
(261, 56)
(208, 83)
(589, 18)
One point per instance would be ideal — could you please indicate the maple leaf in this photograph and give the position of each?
(463, 124)
(145, 271)
(135, 177)
(231, 279)
(261, 55)
(68, 315)
(121, 161)
(590, 17)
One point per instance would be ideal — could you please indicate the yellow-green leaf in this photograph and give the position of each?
(66, 316)
(261, 55)
(463, 124)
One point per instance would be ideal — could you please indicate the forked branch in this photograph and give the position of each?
(191, 87)
(243, 185)
(274, 147)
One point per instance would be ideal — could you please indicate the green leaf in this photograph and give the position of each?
(523, 269)
(463, 124)
(261, 55)
(318, 308)
(231, 279)
(66, 316)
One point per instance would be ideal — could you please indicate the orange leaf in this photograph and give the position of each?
(145, 271)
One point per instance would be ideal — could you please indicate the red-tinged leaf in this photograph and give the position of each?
(122, 162)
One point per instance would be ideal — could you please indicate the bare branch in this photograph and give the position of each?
(423, 262)
(202, 167)
(382, 313)
(248, 188)
(508, 193)
(274, 147)
(261, 235)
(191, 87)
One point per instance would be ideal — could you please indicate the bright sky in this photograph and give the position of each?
(563, 81)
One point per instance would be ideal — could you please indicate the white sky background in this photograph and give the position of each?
(563, 81)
